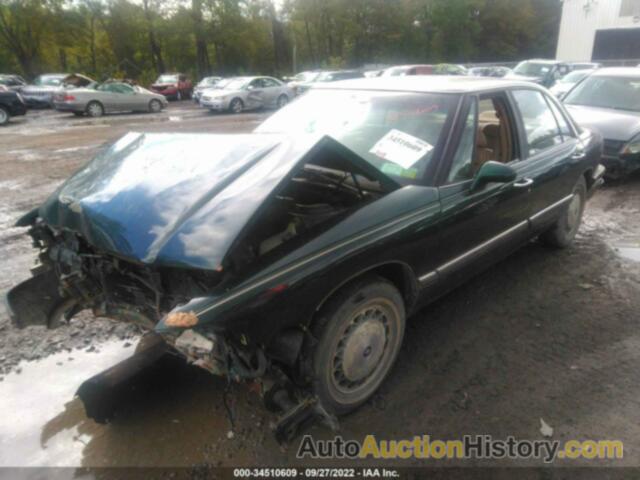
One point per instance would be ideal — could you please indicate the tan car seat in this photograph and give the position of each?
(484, 152)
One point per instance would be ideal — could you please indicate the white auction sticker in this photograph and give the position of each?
(401, 148)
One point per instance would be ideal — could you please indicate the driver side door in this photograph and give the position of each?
(255, 95)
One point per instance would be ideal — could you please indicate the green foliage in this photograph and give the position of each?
(140, 38)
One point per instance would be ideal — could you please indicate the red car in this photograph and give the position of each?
(174, 86)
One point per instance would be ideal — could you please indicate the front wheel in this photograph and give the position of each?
(4, 116)
(359, 334)
(282, 101)
(155, 106)
(236, 106)
(563, 231)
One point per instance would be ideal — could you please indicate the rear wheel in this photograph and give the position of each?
(95, 109)
(236, 106)
(4, 116)
(155, 106)
(359, 334)
(563, 231)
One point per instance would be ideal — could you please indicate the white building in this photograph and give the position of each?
(599, 30)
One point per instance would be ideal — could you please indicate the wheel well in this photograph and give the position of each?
(398, 274)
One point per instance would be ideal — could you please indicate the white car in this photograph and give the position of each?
(247, 93)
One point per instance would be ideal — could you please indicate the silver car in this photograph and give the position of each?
(108, 98)
(247, 93)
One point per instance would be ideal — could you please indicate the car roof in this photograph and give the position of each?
(427, 84)
(617, 72)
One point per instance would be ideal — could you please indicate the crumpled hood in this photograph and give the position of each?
(611, 124)
(172, 199)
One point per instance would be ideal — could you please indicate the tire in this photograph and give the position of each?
(95, 109)
(364, 320)
(4, 116)
(282, 101)
(236, 106)
(563, 231)
(155, 106)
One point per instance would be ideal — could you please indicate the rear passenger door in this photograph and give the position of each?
(552, 154)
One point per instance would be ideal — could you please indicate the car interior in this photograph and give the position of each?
(494, 138)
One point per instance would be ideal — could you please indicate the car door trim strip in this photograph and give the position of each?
(551, 207)
(430, 275)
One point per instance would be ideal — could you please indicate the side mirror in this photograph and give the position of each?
(493, 172)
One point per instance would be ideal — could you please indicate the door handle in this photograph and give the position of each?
(524, 183)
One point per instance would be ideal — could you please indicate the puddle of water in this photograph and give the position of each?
(31, 398)
(168, 416)
(628, 249)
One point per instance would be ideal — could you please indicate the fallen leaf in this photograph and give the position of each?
(545, 429)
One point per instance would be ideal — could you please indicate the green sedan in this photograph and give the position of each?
(296, 254)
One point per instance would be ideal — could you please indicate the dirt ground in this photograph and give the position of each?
(545, 334)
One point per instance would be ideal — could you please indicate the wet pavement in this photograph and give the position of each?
(544, 334)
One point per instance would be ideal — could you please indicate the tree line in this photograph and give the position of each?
(141, 38)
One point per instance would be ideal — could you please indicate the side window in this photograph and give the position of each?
(540, 125)
(462, 164)
(565, 128)
(257, 83)
(268, 83)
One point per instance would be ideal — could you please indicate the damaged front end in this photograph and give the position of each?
(72, 276)
(200, 238)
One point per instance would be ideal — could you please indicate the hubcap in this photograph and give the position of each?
(155, 106)
(361, 348)
(95, 110)
(3, 116)
(237, 107)
(573, 213)
(282, 102)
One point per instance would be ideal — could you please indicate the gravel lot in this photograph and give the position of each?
(544, 334)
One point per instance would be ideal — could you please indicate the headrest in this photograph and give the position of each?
(492, 130)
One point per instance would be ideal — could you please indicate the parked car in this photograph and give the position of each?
(11, 105)
(40, 94)
(542, 72)
(12, 82)
(330, 76)
(497, 72)
(204, 84)
(303, 78)
(403, 70)
(109, 97)
(567, 82)
(247, 93)
(449, 69)
(584, 65)
(174, 86)
(297, 253)
(608, 101)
